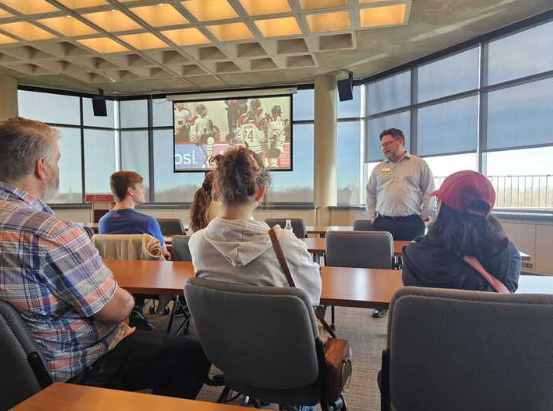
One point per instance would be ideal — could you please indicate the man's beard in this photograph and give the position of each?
(52, 189)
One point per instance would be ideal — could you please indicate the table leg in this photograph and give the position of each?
(172, 315)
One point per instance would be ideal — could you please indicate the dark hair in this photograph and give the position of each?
(396, 134)
(121, 180)
(240, 173)
(200, 203)
(466, 234)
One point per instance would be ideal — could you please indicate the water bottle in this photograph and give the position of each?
(288, 225)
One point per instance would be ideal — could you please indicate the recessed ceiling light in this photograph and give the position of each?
(328, 21)
(30, 6)
(160, 15)
(285, 26)
(210, 10)
(27, 31)
(144, 41)
(322, 4)
(231, 32)
(6, 39)
(103, 45)
(186, 37)
(262, 7)
(383, 16)
(113, 21)
(82, 4)
(68, 26)
(4, 14)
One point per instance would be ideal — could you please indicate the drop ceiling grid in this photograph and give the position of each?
(271, 56)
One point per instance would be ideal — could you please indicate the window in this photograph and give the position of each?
(134, 113)
(521, 116)
(521, 54)
(303, 103)
(91, 120)
(100, 160)
(296, 186)
(135, 155)
(71, 185)
(350, 108)
(376, 126)
(162, 112)
(49, 108)
(348, 162)
(390, 93)
(171, 187)
(451, 75)
(450, 127)
(522, 178)
(443, 166)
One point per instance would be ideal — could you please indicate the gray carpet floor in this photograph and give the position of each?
(367, 337)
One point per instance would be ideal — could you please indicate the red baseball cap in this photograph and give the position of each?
(463, 188)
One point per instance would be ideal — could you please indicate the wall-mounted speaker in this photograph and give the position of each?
(99, 105)
(345, 88)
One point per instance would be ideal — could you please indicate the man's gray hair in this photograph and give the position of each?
(22, 143)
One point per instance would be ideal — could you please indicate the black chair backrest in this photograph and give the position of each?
(171, 226)
(363, 225)
(180, 249)
(24, 371)
(298, 225)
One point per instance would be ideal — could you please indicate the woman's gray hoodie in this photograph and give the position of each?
(240, 251)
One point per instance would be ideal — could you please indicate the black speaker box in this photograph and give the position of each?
(345, 88)
(99, 106)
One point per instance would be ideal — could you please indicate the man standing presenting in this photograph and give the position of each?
(398, 192)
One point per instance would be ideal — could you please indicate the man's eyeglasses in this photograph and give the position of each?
(387, 144)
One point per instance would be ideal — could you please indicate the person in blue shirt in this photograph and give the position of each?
(128, 189)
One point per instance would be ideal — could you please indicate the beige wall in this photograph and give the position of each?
(8, 99)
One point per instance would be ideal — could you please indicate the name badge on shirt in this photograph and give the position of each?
(386, 169)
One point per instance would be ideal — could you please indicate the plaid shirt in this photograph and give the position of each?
(54, 276)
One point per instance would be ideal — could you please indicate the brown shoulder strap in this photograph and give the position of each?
(284, 265)
(497, 285)
(280, 257)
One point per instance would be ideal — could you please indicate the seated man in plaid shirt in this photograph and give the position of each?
(54, 276)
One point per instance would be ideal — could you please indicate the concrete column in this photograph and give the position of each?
(325, 147)
(8, 97)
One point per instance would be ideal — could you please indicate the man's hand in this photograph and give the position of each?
(167, 255)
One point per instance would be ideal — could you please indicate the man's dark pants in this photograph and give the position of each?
(402, 228)
(170, 365)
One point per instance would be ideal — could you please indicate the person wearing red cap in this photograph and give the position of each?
(464, 227)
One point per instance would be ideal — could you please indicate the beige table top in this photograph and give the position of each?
(71, 397)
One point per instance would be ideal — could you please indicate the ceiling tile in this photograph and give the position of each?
(113, 21)
(383, 16)
(144, 41)
(231, 32)
(81, 4)
(6, 39)
(321, 4)
(160, 15)
(27, 31)
(263, 7)
(186, 37)
(210, 10)
(103, 45)
(325, 22)
(286, 26)
(68, 26)
(30, 7)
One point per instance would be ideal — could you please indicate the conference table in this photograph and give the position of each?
(317, 247)
(321, 230)
(342, 287)
(70, 397)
